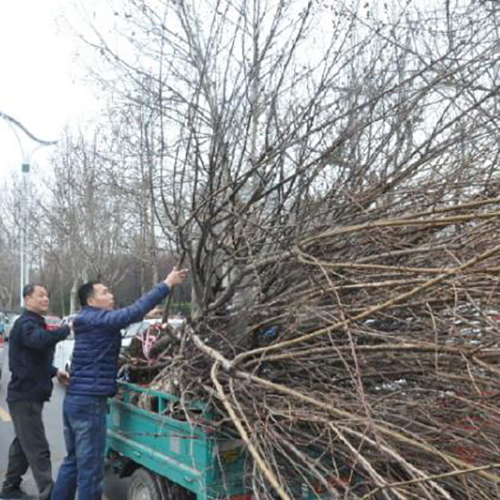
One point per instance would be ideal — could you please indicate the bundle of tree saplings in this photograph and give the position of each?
(362, 360)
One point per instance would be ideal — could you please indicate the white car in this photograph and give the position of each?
(64, 349)
(137, 329)
(141, 326)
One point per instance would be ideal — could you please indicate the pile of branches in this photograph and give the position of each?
(363, 361)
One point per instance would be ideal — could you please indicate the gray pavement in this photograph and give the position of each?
(115, 489)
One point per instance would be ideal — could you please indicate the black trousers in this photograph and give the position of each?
(30, 448)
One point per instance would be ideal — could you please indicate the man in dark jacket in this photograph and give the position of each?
(31, 353)
(92, 380)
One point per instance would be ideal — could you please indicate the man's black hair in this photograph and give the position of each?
(30, 288)
(86, 291)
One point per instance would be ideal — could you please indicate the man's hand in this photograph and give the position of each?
(176, 277)
(62, 377)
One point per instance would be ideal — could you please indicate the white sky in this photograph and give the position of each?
(40, 84)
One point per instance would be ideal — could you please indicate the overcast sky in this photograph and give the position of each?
(40, 84)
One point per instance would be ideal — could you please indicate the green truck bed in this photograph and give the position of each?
(171, 458)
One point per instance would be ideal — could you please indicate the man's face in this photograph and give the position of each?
(102, 298)
(38, 301)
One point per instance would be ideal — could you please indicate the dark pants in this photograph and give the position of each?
(85, 436)
(30, 448)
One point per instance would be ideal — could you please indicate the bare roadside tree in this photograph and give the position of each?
(84, 218)
(267, 119)
(9, 244)
(329, 173)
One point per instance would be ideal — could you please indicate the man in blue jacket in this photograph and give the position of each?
(31, 353)
(92, 380)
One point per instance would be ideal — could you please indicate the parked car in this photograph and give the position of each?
(137, 329)
(1, 353)
(10, 323)
(52, 322)
(64, 349)
(3, 322)
(140, 327)
(3, 326)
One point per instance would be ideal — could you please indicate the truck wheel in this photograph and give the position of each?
(143, 486)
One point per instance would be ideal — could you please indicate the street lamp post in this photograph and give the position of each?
(25, 232)
(25, 258)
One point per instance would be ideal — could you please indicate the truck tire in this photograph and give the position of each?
(143, 486)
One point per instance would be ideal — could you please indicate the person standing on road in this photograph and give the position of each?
(31, 354)
(92, 380)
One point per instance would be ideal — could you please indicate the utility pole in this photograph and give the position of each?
(25, 232)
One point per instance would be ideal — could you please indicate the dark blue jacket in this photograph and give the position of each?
(97, 343)
(31, 353)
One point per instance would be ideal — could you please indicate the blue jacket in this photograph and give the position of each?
(98, 340)
(31, 353)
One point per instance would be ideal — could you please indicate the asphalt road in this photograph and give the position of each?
(115, 489)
